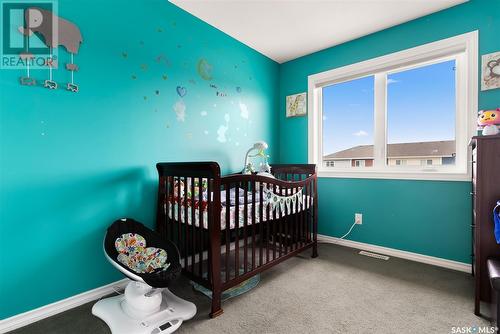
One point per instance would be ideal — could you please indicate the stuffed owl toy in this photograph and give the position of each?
(489, 120)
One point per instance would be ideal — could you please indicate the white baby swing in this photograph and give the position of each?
(147, 306)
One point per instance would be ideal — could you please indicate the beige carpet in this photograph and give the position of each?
(339, 292)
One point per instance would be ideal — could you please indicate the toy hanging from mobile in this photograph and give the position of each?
(42, 22)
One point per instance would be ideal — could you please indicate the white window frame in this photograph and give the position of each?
(463, 48)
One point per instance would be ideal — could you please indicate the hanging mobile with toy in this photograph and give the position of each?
(72, 67)
(27, 57)
(67, 34)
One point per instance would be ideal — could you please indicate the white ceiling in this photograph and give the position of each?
(288, 29)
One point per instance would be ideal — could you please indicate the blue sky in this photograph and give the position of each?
(420, 107)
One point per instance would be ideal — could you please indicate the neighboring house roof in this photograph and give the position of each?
(422, 149)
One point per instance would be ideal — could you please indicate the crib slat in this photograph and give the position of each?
(179, 209)
(274, 224)
(261, 221)
(268, 228)
(200, 226)
(280, 222)
(228, 230)
(301, 220)
(287, 220)
(294, 221)
(236, 229)
(253, 223)
(245, 225)
(193, 223)
(172, 207)
(308, 208)
(184, 226)
(210, 190)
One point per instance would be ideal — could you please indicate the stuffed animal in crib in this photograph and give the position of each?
(489, 120)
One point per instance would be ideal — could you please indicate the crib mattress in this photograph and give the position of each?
(279, 211)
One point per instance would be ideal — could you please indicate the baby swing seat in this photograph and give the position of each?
(147, 306)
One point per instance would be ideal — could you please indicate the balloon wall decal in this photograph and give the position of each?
(181, 91)
(204, 69)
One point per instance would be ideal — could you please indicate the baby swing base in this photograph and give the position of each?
(172, 311)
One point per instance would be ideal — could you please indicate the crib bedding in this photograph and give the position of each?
(278, 204)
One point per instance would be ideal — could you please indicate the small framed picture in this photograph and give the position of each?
(490, 77)
(296, 105)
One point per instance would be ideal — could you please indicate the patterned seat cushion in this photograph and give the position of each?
(134, 254)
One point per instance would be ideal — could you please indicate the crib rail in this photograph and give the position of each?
(263, 233)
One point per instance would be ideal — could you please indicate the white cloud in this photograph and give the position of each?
(180, 110)
(243, 110)
(203, 113)
(360, 133)
(391, 81)
(221, 134)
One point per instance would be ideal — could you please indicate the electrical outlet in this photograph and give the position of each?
(358, 218)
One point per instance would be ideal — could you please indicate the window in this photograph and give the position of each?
(359, 163)
(405, 115)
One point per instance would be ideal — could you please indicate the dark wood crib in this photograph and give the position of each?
(229, 228)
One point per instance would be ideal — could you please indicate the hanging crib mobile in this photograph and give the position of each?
(55, 31)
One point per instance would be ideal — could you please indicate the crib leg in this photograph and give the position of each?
(216, 304)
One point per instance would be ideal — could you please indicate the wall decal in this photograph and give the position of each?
(162, 59)
(191, 81)
(124, 54)
(27, 80)
(133, 77)
(221, 131)
(204, 69)
(296, 105)
(221, 94)
(144, 67)
(181, 91)
(157, 92)
(180, 110)
(243, 110)
(164, 77)
(490, 77)
(238, 89)
(213, 86)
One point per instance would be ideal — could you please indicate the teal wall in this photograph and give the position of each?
(73, 163)
(426, 217)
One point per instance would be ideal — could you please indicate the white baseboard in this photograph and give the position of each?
(435, 261)
(46, 311)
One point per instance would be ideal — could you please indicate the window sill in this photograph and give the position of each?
(396, 175)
